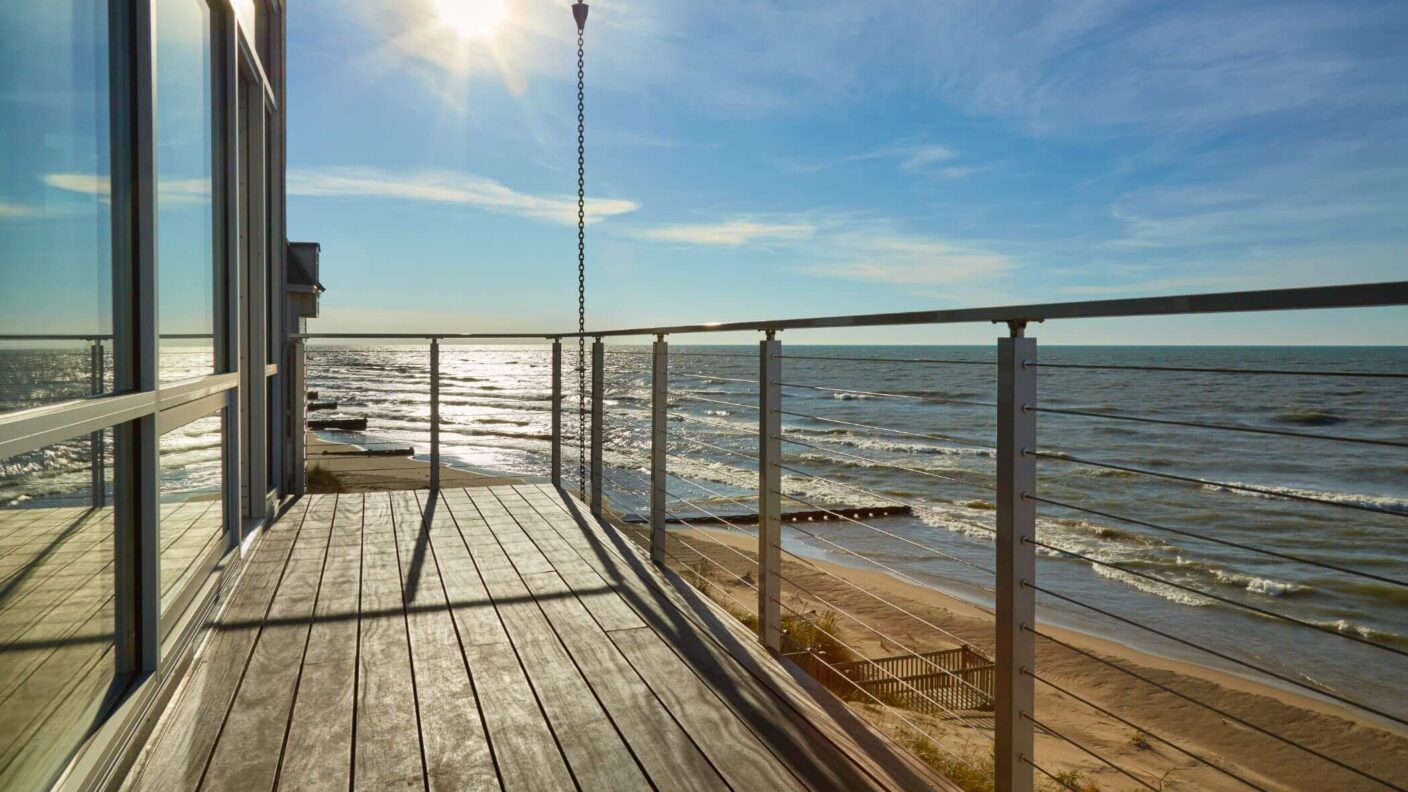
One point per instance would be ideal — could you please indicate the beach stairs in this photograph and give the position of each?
(934, 683)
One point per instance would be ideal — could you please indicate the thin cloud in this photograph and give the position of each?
(909, 259)
(732, 233)
(169, 191)
(449, 187)
(911, 157)
(15, 211)
(847, 247)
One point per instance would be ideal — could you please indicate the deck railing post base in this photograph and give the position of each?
(434, 415)
(770, 492)
(659, 395)
(557, 412)
(1016, 562)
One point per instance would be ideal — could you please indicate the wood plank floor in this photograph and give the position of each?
(492, 638)
(56, 622)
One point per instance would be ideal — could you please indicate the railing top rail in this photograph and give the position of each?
(1362, 295)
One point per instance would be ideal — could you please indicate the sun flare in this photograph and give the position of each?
(471, 18)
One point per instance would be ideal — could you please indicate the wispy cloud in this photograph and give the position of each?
(889, 256)
(16, 211)
(729, 233)
(845, 246)
(449, 187)
(911, 157)
(170, 191)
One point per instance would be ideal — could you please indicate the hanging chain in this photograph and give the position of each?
(581, 271)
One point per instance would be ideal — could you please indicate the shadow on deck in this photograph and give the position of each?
(494, 637)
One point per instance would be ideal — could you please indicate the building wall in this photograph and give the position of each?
(143, 355)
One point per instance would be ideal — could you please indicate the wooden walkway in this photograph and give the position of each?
(491, 639)
(56, 622)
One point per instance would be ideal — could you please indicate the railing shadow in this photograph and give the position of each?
(681, 630)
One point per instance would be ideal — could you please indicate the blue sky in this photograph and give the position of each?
(752, 160)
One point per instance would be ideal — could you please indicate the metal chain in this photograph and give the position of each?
(581, 270)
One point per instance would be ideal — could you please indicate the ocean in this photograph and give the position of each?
(497, 416)
(866, 434)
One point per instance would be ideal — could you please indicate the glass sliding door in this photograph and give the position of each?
(192, 529)
(57, 612)
(185, 206)
(58, 642)
(55, 207)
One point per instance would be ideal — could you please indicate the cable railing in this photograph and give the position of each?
(1173, 534)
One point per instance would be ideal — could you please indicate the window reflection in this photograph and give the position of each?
(55, 221)
(56, 605)
(185, 250)
(192, 513)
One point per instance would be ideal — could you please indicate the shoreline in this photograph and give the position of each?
(1324, 726)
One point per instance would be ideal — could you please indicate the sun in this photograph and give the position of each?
(471, 18)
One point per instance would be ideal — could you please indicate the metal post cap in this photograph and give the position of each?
(579, 13)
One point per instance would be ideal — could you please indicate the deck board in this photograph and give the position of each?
(456, 750)
(317, 753)
(489, 638)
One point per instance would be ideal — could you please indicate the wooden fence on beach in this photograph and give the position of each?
(931, 682)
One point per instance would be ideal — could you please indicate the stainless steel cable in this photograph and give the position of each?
(691, 397)
(1218, 427)
(703, 444)
(897, 501)
(886, 567)
(1216, 710)
(1224, 542)
(1071, 458)
(1270, 614)
(896, 536)
(873, 461)
(1144, 730)
(1086, 750)
(1195, 369)
(754, 356)
(716, 425)
(715, 493)
(1220, 655)
(703, 533)
(712, 377)
(991, 363)
(1063, 783)
(884, 395)
(901, 432)
(900, 644)
(840, 675)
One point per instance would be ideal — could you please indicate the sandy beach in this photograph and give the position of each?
(1317, 724)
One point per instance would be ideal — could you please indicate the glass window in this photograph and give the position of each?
(192, 508)
(56, 605)
(55, 219)
(185, 249)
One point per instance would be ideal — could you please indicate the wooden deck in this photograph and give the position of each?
(492, 638)
(56, 622)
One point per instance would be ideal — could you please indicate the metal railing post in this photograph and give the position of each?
(97, 445)
(659, 395)
(298, 415)
(770, 492)
(598, 419)
(1016, 560)
(434, 415)
(557, 412)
